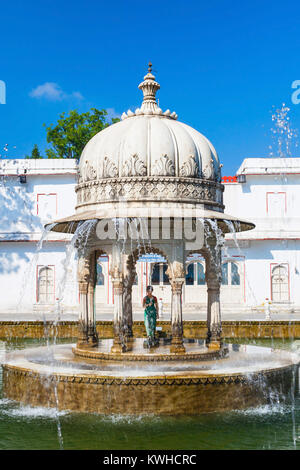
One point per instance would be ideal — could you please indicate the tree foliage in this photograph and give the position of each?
(35, 153)
(72, 132)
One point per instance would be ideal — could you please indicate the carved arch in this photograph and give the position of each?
(134, 256)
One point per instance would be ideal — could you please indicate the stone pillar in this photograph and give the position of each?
(82, 321)
(83, 282)
(213, 278)
(119, 345)
(127, 303)
(91, 317)
(176, 275)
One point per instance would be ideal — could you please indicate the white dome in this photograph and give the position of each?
(149, 158)
(148, 142)
(148, 145)
(149, 162)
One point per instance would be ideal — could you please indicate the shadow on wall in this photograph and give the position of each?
(17, 220)
(10, 262)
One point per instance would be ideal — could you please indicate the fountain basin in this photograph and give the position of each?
(54, 377)
(194, 351)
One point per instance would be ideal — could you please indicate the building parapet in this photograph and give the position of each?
(269, 166)
(33, 237)
(43, 166)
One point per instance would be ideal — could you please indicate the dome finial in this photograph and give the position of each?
(149, 88)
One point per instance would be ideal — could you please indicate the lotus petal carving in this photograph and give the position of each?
(109, 169)
(88, 173)
(164, 167)
(134, 167)
(189, 168)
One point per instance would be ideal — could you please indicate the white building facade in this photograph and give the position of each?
(258, 264)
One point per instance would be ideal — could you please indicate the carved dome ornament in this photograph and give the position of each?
(108, 169)
(149, 149)
(190, 168)
(134, 167)
(147, 160)
(163, 167)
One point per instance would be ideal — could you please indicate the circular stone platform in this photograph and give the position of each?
(195, 351)
(53, 376)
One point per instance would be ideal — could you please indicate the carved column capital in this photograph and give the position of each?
(116, 274)
(118, 287)
(176, 271)
(83, 268)
(176, 285)
(83, 287)
(117, 280)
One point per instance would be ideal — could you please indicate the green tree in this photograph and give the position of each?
(35, 153)
(71, 133)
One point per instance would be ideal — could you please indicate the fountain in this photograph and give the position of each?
(148, 184)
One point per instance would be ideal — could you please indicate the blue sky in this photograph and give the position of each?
(221, 65)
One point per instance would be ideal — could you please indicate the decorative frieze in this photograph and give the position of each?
(163, 380)
(183, 189)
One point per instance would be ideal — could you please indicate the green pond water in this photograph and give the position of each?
(275, 426)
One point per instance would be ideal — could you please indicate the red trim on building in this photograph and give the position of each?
(229, 179)
(276, 192)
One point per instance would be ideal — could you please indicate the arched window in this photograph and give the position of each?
(189, 277)
(155, 276)
(195, 274)
(235, 276)
(164, 275)
(200, 274)
(100, 275)
(280, 284)
(45, 291)
(230, 274)
(225, 274)
(159, 276)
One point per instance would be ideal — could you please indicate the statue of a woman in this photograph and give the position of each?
(151, 314)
